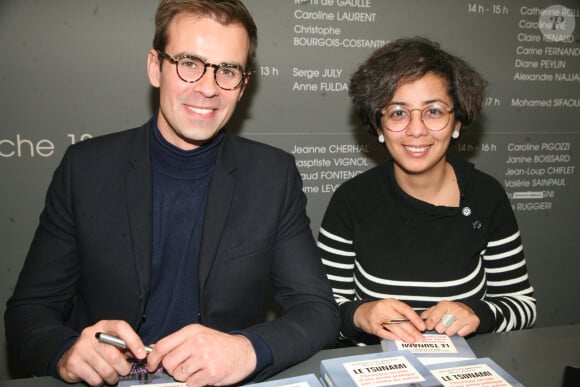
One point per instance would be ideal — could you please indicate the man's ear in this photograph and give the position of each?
(153, 68)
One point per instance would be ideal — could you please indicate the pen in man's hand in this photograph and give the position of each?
(114, 340)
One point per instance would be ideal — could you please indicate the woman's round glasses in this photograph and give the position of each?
(397, 117)
(191, 68)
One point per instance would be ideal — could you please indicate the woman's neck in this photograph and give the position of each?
(438, 186)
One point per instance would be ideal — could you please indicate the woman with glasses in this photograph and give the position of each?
(422, 242)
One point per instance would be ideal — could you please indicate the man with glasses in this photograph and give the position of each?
(171, 234)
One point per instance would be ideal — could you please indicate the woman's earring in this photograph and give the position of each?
(382, 138)
(455, 134)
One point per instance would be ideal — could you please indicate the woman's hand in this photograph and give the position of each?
(451, 318)
(371, 316)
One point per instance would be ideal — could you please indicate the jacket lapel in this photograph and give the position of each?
(139, 205)
(221, 190)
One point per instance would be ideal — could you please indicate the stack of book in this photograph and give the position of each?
(439, 360)
(402, 368)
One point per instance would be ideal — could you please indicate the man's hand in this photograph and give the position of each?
(97, 363)
(202, 356)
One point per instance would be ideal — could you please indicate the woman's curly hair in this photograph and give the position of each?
(375, 82)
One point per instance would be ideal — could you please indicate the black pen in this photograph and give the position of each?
(397, 320)
(114, 340)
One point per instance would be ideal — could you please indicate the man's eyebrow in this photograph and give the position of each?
(191, 55)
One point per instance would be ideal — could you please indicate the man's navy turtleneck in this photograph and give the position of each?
(180, 185)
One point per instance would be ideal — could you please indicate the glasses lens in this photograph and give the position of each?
(396, 118)
(190, 69)
(436, 116)
(228, 76)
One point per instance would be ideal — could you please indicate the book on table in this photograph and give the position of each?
(161, 379)
(436, 348)
(155, 379)
(397, 368)
(474, 372)
(308, 380)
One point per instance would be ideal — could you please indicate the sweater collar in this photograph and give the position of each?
(173, 161)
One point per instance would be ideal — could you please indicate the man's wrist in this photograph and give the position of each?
(52, 367)
(262, 351)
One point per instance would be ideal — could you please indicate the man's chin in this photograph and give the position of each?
(198, 140)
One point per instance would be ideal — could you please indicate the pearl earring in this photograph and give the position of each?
(381, 139)
(455, 134)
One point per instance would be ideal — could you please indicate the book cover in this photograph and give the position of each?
(475, 372)
(161, 379)
(139, 377)
(399, 368)
(437, 348)
(308, 380)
